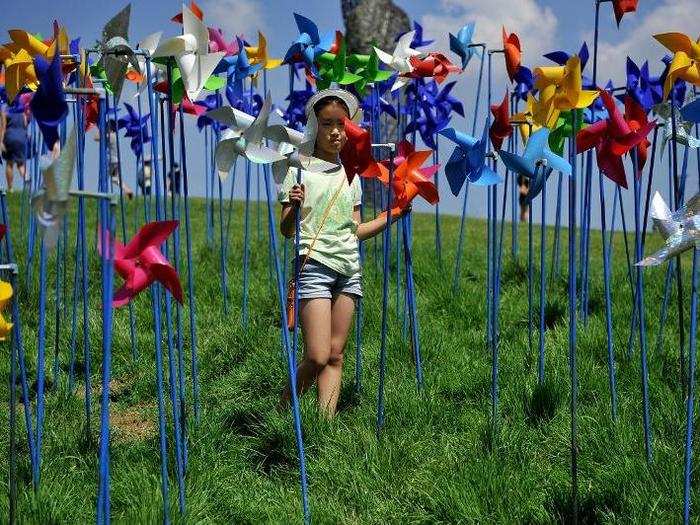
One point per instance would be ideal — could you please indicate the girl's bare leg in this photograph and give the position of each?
(22, 168)
(9, 172)
(315, 317)
(329, 378)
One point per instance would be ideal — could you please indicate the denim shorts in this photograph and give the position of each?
(319, 281)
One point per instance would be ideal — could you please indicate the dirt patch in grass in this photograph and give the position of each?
(134, 423)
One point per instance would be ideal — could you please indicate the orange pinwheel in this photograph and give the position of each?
(686, 59)
(410, 180)
(500, 128)
(258, 54)
(513, 53)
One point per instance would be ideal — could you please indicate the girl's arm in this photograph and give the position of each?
(296, 198)
(369, 229)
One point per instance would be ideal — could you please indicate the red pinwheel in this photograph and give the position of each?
(432, 65)
(3, 231)
(637, 119)
(192, 109)
(500, 128)
(141, 262)
(612, 138)
(356, 155)
(623, 6)
(512, 52)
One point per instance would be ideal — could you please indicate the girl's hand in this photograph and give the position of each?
(296, 195)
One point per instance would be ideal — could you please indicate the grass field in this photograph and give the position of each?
(437, 462)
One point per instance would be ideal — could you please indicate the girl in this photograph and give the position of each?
(13, 141)
(330, 280)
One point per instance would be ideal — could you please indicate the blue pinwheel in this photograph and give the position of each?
(536, 149)
(562, 57)
(644, 89)
(524, 82)
(237, 68)
(597, 111)
(417, 37)
(461, 45)
(208, 103)
(468, 161)
(308, 44)
(442, 99)
(371, 112)
(691, 111)
(48, 104)
(427, 122)
(295, 114)
(136, 129)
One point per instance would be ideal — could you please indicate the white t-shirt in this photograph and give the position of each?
(336, 245)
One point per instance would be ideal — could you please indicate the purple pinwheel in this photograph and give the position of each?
(295, 115)
(209, 102)
(136, 129)
(427, 123)
(48, 104)
(250, 103)
(308, 44)
(644, 89)
(417, 37)
(372, 112)
(442, 99)
(524, 82)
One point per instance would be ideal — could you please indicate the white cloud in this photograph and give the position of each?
(638, 43)
(235, 17)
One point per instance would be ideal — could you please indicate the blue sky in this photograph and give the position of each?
(543, 25)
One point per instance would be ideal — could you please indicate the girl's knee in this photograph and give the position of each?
(317, 362)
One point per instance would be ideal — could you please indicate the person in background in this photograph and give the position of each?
(13, 141)
(523, 188)
(113, 155)
(143, 176)
(174, 177)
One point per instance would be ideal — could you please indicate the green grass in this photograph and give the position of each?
(437, 461)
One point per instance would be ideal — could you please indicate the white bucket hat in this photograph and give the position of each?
(312, 124)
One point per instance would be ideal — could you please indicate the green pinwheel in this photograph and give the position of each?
(367, 67)
(333, 69)
(212, 84)
(563, 129)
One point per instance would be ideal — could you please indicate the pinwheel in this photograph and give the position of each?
(295, 114)
(643, 88)
(685, 63)
(356, 156)
(537, 114)
(691, 111)
(297, 149)
(611, 138)
(564, 86)
(680, 229)
(258, 54)
(373, 109)
(196, 11)
(50, 203)
(512, 53)
(208, 103)
(637, 120)
(461, 45)
(217, 43)
(178, 87)
(500, 128)
(332, 69)
(417, 40)
(149, 44)
(237, 68)
(5, 297)
(34, 46)
(367, 68)
(141, 263)
(249, 102)
(191, 52)
(678, 88)
(432, 65)
(524, 82)
(596, 111)
(136, 129)
(427, 121)
(19, 72)
(308, 45)
(468, 161)
(244, 136)
(399, 61)
(564, 129)
(536, 149)
(48, 104)
(441, 99)
(683, 127)
(116, 52)
(410, 180)
(562, 57)
(620, 7)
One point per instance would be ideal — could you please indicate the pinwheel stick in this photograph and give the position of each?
(690, 401)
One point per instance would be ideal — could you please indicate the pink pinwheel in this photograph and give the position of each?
(217, 43)
(612, 138)
(141, 263)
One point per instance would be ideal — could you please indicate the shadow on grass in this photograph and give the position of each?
(592, 508)
(554, 313)
(541, 405)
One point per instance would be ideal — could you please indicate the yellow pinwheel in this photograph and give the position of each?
(22, 39)
(538, 114)
(564, 86)
(5, 296)
(258, 54)
(19, 71)
(686, 59)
